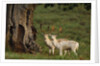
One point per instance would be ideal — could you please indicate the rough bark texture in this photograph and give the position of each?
(20, 32)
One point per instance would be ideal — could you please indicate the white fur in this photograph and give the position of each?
(50, 44)
(65, 44)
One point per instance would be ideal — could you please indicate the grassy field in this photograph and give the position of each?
(75, 24)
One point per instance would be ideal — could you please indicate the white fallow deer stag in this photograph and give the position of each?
(64, 44)
(49, 43)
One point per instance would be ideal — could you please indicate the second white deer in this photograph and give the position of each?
(65, 45)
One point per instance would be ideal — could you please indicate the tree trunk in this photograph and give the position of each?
(20, 32)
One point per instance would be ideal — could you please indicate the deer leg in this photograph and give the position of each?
(68, 52)
(65, 52)
(53, 50)
(75, 52)
(60, 51)
(49, 51)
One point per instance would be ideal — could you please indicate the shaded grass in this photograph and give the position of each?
(75, 24)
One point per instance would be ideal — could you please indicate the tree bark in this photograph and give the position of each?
(20, 32)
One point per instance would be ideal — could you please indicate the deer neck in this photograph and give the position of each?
(55, 41)
(47, 38)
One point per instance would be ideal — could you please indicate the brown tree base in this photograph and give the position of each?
(20, 32)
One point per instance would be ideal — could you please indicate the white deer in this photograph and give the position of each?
(64, 44)
(49, 43)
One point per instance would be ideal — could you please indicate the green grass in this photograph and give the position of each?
(45, 56)
(75, 24)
